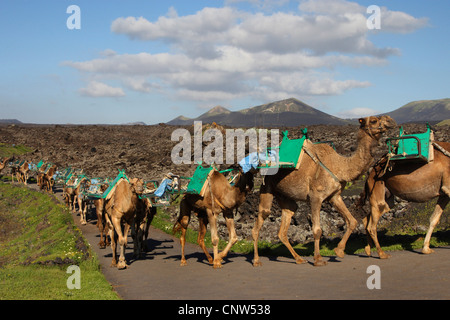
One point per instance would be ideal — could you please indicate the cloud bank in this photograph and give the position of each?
(221, 54)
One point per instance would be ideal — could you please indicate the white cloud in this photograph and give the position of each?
(224, 53)
(357, 113)
(99, 89)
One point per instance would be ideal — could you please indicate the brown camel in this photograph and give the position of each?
(121, 209)
(411, 181)
(21, 173)
(40, 174)
(46, 180)
(4, 163)
(145, 213)
(73, 195)
(320, 176)
(220, 197)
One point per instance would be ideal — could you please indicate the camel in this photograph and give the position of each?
(320, 176)
(40, 174)
(121, 209)
(145, 213)
(72, 195)
(411, 181)
(21, 173)
(221, 197)
(46, 179)
(4, 163)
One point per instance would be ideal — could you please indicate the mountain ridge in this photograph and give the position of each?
(293, 112)
(422, 111)
(288, 112)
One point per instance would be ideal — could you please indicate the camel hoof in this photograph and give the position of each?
(122, 265)
(339, 252)
(217, 264)
(183, 263)
(257, 263)
(384, 255)
(300, 261)
(367, 250)
(427, 251)
(320, 263)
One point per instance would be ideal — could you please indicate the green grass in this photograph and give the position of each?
(38, 242)
(7, 150)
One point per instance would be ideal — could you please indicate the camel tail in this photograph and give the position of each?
(176, 227)
(179, 225)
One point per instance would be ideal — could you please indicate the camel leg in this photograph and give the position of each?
(203, 222)
(288, 208)
(316, 204)
(265, 205)
(80, 209)
(350, 221)
(376, 211)
(101, 225)
(183, 221)
(113, 236)
(122, 240)
(212, 219)
(370, 243)
(231, 234)
(434, 220)
(150, 217)
(75, 199)
(137, 232)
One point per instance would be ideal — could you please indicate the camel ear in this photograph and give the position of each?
(362, 122)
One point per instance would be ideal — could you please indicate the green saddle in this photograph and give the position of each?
(412, 146)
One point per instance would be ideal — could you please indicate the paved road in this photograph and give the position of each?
(158, 276)
(407, 275)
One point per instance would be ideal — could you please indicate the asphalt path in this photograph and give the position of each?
(407, 275)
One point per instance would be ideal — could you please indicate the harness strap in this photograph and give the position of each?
(316, 160)
(441, 149)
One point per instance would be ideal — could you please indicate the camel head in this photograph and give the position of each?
(137, 185)
(376, 126)
(245, 181)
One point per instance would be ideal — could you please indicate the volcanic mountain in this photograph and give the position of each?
(289, 112)
(432, 111)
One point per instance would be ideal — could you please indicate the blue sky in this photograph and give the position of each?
(151, 61)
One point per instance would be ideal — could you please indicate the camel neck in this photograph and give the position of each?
(361, 160)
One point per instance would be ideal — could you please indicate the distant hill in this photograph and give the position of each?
(289, 112)
(445, 122)
(139, 123)
(422, 111)
(10, 121)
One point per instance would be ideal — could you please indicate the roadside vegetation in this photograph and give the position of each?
(7, 150)
(38, 242)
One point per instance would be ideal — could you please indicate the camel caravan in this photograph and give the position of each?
(415, 169)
